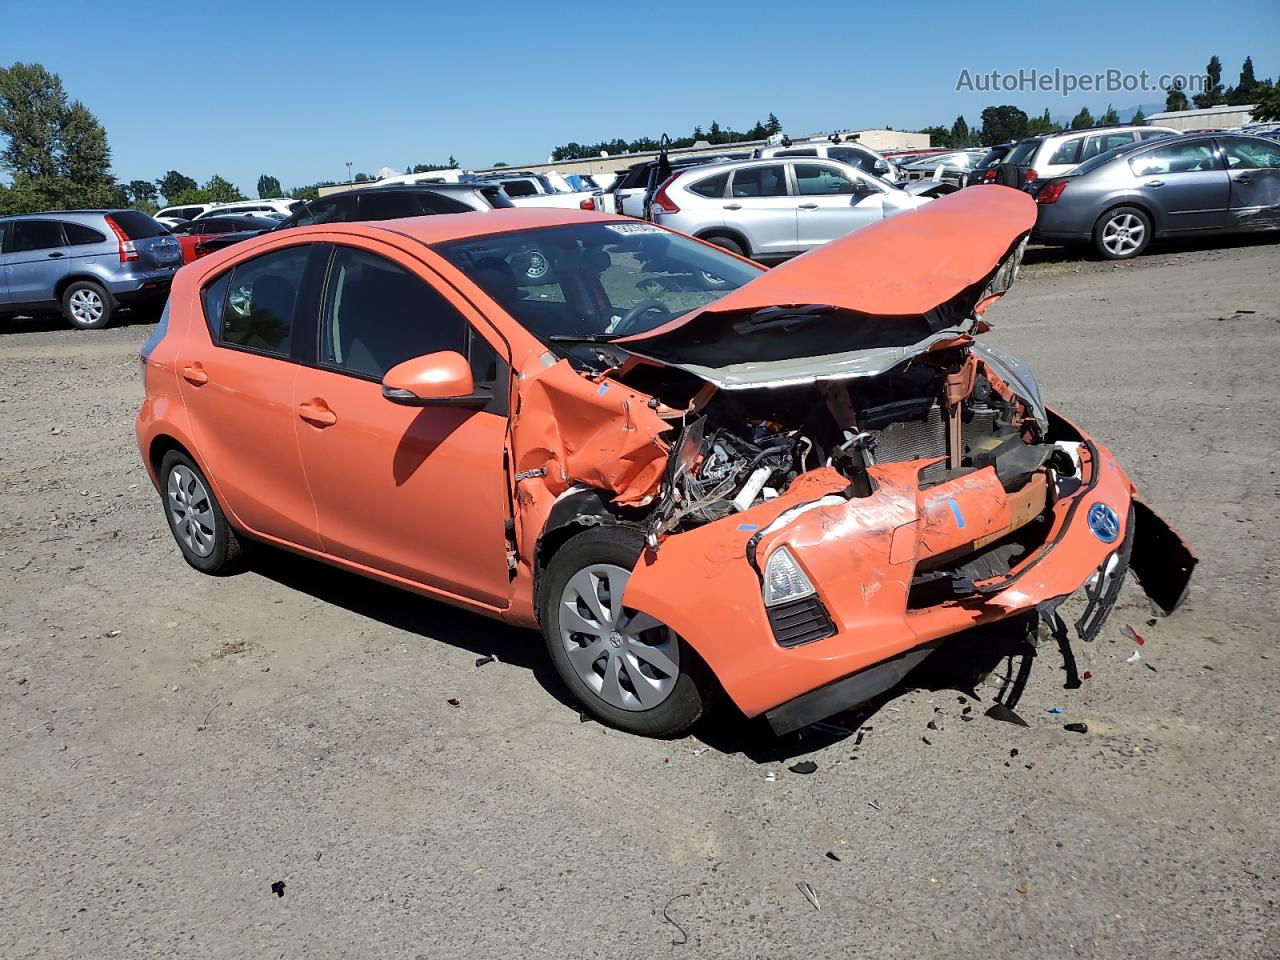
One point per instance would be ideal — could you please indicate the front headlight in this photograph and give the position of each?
(783, 579)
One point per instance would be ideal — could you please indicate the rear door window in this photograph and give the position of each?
(1068, 152)
(258, 312)
(78, 235)
(1244, 154)
(336, 210)
(376, 205)
(1101, 143)
(711, 186)
(377, 314)
(798, 152)
(429, 203)
(767, 181)
(1177, 157)
(858, 158)
(36, 235)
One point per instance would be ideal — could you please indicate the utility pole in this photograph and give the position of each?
(348, 171)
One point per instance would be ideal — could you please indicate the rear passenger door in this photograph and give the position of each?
(761, 206)
(832, 202)
(1184, 182)
(417, 493)
(85, 245)
(236, 376)
(35, 261)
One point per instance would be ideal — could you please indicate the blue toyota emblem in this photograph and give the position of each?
(1104, 523)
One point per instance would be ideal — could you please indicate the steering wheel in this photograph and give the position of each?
(630, 318)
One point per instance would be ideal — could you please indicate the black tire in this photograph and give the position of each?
(1121, 219)
(684, 705)
(227, 553)
(727, 243)
(87, 305)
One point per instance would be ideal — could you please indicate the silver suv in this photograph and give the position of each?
(84, 263)
(773, 209)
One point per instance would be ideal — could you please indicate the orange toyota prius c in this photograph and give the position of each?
(693, 475)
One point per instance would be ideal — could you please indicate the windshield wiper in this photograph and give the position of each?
(582, 338)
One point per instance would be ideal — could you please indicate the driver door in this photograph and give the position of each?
(833, 202)
(418, 493)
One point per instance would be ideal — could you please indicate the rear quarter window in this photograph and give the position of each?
(711, 186)
(78, 235)
(1022, 153)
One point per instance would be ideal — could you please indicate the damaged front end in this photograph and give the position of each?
(827, 492)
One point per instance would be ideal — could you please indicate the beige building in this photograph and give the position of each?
(878, 140)
(1219, 116)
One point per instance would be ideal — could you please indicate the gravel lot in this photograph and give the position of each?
(171, 745)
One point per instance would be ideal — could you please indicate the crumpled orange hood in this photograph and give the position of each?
(906, 265)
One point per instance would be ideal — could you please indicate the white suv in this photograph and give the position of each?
(1053, 155)
(271, 207)
(864, 158)
(775, 208)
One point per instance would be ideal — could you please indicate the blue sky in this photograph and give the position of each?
(298, 89)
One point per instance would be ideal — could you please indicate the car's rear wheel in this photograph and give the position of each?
(625, 667)
(1122, 233)
(195, 517)
(86, 305)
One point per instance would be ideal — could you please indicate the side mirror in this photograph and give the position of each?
(860, 189)
(436, 379)
(881, 168)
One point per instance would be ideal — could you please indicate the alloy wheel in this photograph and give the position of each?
(191, 510)
(86, 306)
(1123, 235)
(628, 659)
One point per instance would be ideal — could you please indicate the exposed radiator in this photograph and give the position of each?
(917, 429)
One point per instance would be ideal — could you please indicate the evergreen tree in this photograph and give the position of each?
(268, 186)
(1082, 120)
(1212, 93)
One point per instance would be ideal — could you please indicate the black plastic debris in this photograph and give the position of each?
(998, 711)
(804, 766)
(454, 702)
(831, 855)
(1013, 752)
(667, 918)
(927, 741)
(933, 725)
(481, 661)
(277, 887)
(1076, 727)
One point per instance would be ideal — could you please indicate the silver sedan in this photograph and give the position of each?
(1120, 200)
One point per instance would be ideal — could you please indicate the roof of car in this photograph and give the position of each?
(461, 226)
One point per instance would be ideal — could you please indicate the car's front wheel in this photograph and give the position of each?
(86, 305)
(1122, 233)
(195, 517)
(625, 667)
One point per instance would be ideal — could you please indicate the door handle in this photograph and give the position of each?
(1155, 183)
(317, 413)
(733, 206)
(195, 374)
(56, 254)
(808, 206)
(1243, 179)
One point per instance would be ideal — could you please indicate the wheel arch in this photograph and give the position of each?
(1127, 201)
(61, 287)
(729, 233)
(569, 516)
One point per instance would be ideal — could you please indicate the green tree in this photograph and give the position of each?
(938, 136)
(1042, 124)
(453, 164)
(961, 135)
(173, 184)
(1002, 124)
(501, 163)
(772, 125)
(1176, 98)
(1139, 118)
(362, 178)
(1212, 93)
(216, 190)
(1110, 118)
(55, 149)
(311, 191)
(1268, 103)
(268, 187)
(1082, 120)
(142, 194)
(1247, 90)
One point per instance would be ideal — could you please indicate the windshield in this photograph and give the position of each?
(587, 283)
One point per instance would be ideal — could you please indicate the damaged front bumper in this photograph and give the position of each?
(864, 628)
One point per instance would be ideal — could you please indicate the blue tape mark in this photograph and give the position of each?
(603, 388)
(955, 510)
(748, 526)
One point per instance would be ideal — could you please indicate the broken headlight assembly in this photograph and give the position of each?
(796, 615)
(784, 580)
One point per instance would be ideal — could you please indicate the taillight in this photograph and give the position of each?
(1051, 191)
(128, 251)
(587, 204)
(664, 202)
(989, 175)
(1029, 176)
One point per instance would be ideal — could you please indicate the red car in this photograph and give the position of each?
(194, 232)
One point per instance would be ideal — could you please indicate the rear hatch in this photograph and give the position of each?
(146, 237)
